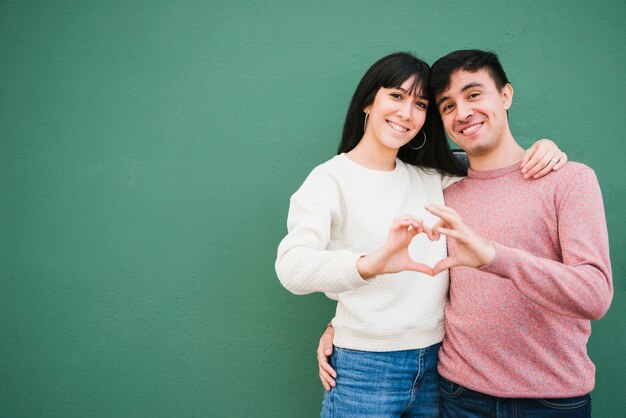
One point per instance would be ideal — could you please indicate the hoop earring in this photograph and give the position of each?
(421, 146)
(365, 122)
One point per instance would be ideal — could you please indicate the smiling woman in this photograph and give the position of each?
(393, 160)
(393, 119)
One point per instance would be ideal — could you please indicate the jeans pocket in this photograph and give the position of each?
(450, 389)
(565, 403)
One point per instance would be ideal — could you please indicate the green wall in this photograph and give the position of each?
(148, 150)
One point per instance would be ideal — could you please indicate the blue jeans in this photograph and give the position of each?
(460, 402)
(389, 384)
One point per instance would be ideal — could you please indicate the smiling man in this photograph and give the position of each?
(529, 261)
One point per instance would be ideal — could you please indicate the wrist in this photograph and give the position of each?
(364, 267)
(489, 254)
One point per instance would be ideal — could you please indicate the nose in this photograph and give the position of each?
(405, 108)
(463, 111)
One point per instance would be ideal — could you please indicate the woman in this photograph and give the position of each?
(393, 160)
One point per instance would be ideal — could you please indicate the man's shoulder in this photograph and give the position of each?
(561, 178)
(457, 185)
(571, 173)
(572, 168)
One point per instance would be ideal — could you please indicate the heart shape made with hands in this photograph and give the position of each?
(433, 235)
(394, 256)
(470, 249)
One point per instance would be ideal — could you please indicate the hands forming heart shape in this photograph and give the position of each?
(472, 250)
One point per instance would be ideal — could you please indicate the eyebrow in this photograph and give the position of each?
(466, 87)
(421, 96)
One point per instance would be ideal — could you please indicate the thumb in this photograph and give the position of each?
(419, 267)
(445, 264)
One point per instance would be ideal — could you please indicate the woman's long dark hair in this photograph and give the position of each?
(390, 72)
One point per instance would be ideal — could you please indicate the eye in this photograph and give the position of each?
(421, 104)
(396, 95)
(446, 107)
(473, 95)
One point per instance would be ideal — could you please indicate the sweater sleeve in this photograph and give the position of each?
(580, 285)
(303, 263)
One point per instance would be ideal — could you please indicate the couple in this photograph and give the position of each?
(527, 255)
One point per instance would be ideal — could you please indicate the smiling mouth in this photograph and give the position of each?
(397, 127)
(471, 129)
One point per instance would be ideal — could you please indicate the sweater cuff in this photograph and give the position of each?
(501, 262)
(354, 279)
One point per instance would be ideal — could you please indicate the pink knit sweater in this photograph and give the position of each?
(518, 327)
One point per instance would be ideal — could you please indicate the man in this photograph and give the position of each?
(529, 261)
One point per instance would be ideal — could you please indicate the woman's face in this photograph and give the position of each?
(395, 116)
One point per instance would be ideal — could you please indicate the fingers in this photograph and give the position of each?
(327, 368)
(434, 234)
(419, 267)
(529, 153)
(549, 162)
(447, 214)
(327, 381)
(532, 157)
(444, 264)
(535, 173)
(452, 233)
(324, 350)
(561, 162)
(544, 156)
(326, 372)
(449, 218)
(428, 231)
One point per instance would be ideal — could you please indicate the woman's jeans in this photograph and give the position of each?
(460, 402)
(389, 384)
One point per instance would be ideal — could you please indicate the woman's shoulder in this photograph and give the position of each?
(329, 169)
(324, 176)
(428, 175)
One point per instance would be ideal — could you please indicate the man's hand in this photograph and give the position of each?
(542, 158)
(472, 250)
(324, 350)
(393, 257)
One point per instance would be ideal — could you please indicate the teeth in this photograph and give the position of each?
(397, 127)
(471, 129)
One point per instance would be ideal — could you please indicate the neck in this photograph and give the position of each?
(367, 154)
(507, 153)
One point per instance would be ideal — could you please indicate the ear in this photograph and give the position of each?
(507, 95)
(367, 109)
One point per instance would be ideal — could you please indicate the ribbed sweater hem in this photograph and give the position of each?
(520, 394)
(410, 340)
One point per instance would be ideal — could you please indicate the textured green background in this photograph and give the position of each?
(147, 153)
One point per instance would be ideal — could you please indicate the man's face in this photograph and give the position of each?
(473, 111)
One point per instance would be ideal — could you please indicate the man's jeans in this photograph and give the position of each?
(390, 384)
(460, 402)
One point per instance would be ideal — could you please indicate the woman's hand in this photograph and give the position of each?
(540, 159)
(393, 257)
(472, 250)
(324, 350)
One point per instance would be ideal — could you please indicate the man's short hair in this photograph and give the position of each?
(470, 60)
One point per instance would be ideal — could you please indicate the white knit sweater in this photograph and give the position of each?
(343, 211)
